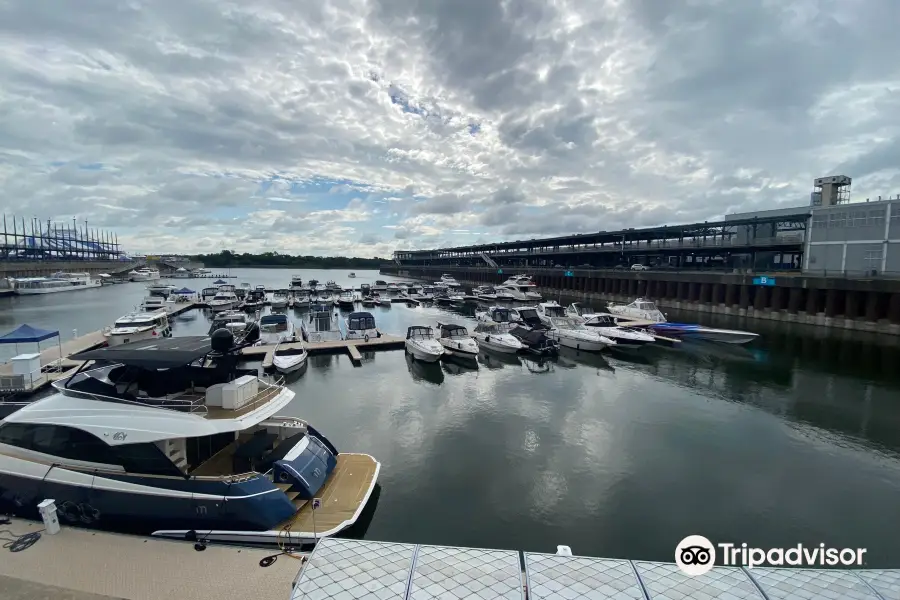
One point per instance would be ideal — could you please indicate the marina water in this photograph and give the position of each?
(792, 439)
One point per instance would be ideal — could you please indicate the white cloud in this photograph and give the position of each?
(183, 124)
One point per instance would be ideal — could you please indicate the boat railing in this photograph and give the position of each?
(170, 402)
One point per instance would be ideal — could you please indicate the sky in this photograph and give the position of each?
(360, 127)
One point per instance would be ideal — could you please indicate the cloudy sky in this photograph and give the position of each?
(357, 127)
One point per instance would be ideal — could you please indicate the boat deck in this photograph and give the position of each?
(341, 496)
(345, 569)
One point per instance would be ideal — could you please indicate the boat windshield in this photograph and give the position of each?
(567, 323)
(419, 333)
(361, 322)
(274, 323)
(133, 323)
(645, 305)
(527, 314)
(554, 311)
(454, 331)
(500, 315)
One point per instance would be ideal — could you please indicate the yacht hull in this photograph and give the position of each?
(423, 354)
(578, 344)
(289, 363)
(40, 291)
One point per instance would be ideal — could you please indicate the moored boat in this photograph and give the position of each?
(361, 326)
(289, 360)
(138, 326)
(420, 343)
(456, 341)
(496, 337)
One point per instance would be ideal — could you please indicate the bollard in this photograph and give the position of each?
(47, 509)
(563, 551)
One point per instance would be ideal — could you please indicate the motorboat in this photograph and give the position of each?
(369, 302)
(302, 298)
(276, 328)
(255, 300)
(143, 274)
(638, 309)
(288, 360)
(381, 300)
(153, 304)
(508, 294)
(324, 296)
(449, 281)
(699, 332)
(208, 292)
(138, 326)
(346, 300)
(243, 290)
(352, 276)
(333, 287)
(606, 325)
(58, 282)
(260, 288)
(296, 284)
(496, 337)
(485, 292)
(426, 294)
(412, 292)
(280, 299)
(524, 285)
(549, 310)
(535, 341)
(361, 326)
(572, 333)
(456, 341)
(160, 289)
(365, 290)
(173, 439)
(225, 299)
(321, 324)
(527, 317)
(234, 321)
(420, 343)
(393, 289)
(497, 314)
(380, 286)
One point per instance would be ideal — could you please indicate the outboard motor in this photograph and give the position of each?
(251, 333)
(222, 341)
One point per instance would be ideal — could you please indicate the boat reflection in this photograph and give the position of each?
(496, 360)
(423, 371)
(538, 365)
(587, 359)
(455, 365)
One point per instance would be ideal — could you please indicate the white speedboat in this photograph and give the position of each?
(639, 309)
(449, 281)
(161, 289)
(572, 333)
(289, 360)
(296, 284)
(426, 294)
(225, 299)
(496, 337)
(524, 285)
(606, 325)
(280, 299)
(302, 299)
(138, 326)
(58, 282)
(361, 326)
(485, 292)
(549, 310)
(324, 297)
(234, 321)
(173, 439)
(276, 328)
(143, 274)
(255, 300)
(699, 332)
(379, 286)
(505, 293)
(352, 275)
(153, 304)
(321, 324)
(347, 300)
(420, 343)
(497, 314)
(393, 289)
(456, 341)
(243, 291)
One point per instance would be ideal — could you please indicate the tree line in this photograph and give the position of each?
(227, 258)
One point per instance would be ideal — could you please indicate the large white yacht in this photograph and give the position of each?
(143, 274)
(524, 285)
(638, 309)
(296, 284)
(58, 282)
(138, 326)
(173, 439)
(321, 324)
(225, 299)
(549, 310)
(448, 280)
(606, 324)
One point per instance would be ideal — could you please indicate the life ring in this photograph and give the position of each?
(367, 337)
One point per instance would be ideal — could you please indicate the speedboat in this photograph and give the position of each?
(393, 289)
(606, 325)
(496, 337)
(549, 310)
(301, 298)
(346, 300)
(333, 287)
(449, 281)
(381, 300)
(276, 328)
(289, 360)
(572, 333)
(153, 304)
(369, 302)
(426, 294)
(234, 321)
(527, 317)
(280, 299)
(143, 274)
(421, 344)
(497, 314)
(173, 439)
(507, 294)
(225, 299)
(243, 290)
(160, 289)
(138, 326)
(365, 290)
(380, 286)
(321, 324)
(456, 341)
(352, 275)
(324, 296)
(361, 326)
(535, 341)
(255, 300)
(208, 292)
(639, 309)
(485, 292)
(296, 284)
(699, 332)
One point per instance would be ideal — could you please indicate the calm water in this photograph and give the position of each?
(792, 439)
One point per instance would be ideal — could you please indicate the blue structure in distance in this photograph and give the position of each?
(763, 280)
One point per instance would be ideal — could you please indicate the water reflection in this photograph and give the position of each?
(456, 365)
(496, 360)
(588, 359)
(537, 365)
(423, 371)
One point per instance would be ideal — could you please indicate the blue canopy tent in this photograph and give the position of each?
(184, 291)
(219, 282)
(26, 334)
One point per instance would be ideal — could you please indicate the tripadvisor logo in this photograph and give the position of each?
(696, 555)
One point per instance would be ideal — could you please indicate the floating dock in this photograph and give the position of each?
(351, 347)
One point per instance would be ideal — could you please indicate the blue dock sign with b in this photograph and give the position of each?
(763, 280)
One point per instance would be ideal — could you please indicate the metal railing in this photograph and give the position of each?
(194, 405)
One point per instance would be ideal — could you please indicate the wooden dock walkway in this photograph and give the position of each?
(351, 347)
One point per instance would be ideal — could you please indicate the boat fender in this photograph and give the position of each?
(367, 337)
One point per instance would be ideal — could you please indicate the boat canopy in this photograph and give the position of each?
(449, 330)
(581, 310)
(419, 331)
(273, 319)
(554, 310)
(359, 321)
(158, 353)
(532, 337)
(500, 315)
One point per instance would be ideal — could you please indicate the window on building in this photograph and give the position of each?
(873, 259)
(859, 218)
(895, 212)
(876, 217)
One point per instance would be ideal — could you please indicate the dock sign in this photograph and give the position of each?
(769, 281)
(570, 274)
(499, 271)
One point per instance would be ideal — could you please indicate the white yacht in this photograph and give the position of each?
(289, 360)
(143, 274)
(161, 289)
(505, 293)
(347, 300)
(485, 292)
(497, 314)
(639, 309)
(138, 326)
(606, 325)
(420, 343)
(352, 275)
(153, 304)
(361, 326)
(173, 439)
(301, 298)
(572, 333)
(296, 284)
(234, 321)
(321, 324)
(276, 328)
(379, 286)
(524, 285)
(495, 336)
(449, 281)
(58, 282)
(225, 299)
(393, 289)
(456, 341)
(426, 294)
(549, 310)
(280, 299)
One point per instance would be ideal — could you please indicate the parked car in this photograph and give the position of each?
(639, 267)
